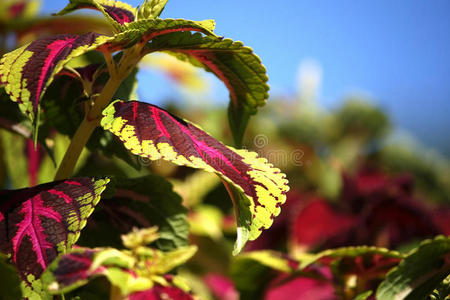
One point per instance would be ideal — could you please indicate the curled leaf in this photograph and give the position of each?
(143, 31)
(151, 9)
(236, 65)
(118, 13)
(151, 132)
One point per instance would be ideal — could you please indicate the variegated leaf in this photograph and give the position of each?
(28, 71)
(118, 13)
(143, 31)
(152, 132)
(233, 63)
(38, 223)
(123, 269)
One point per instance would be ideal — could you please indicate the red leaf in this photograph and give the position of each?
(302, 288)
(38, 223)
(16, 9)
(74, 267)
(152, 132)
(318, 221)
(221, 286)
(159, 292)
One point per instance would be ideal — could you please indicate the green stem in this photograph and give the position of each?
(92, 118)
(87, 126)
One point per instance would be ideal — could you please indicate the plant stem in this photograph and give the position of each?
(93, 116)
(87, 126)
(77, 144)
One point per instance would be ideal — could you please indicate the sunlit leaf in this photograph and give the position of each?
(419, 273)
(38, 223)
(118, 13)
(236, 65)
(152, 132)
(151, 9)
(28, 71)
(308, 259)
(122, 268)
(145, 30)
(364, 296)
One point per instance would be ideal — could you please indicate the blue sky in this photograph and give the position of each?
(398, 52)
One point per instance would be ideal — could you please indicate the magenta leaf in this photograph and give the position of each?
(131, 271)
(302, 288)
(318, 221)
(38, 223)
(28, 71)
(74, 268)
(149, 131)
(162, 292)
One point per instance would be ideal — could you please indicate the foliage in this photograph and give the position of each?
(103, 191)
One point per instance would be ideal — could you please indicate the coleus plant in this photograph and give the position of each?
(41, 222)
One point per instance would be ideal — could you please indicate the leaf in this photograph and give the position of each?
(118, 13)
(125, 271)
(16, 165)
(318, 221)
(74, 269)
(22, 10)
(273, 259)
(364, 296)
(419, 273)
(140, 202)
(236, 65)
(442, 292)
(151, 9)
(10, 283)
(308, 259)
(27, 71)
(151, 132)
(251, 271)
(143, 31)
(38, 223)
(162, 292)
